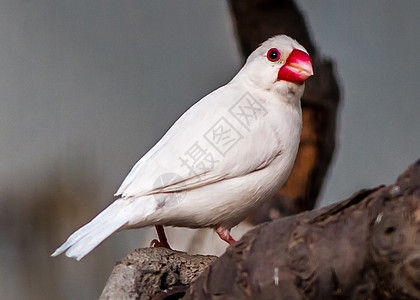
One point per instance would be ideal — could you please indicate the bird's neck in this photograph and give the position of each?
(285, 91)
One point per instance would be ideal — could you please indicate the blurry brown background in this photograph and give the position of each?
(86, 88)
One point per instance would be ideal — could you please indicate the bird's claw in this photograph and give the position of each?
(157, 243)
(162, 242)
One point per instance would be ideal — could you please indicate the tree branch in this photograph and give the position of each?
(154, 272)
(366, 247)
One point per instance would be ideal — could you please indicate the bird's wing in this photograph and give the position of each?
(224, 135)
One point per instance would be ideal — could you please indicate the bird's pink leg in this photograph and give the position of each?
(224, 234)
(163, 241)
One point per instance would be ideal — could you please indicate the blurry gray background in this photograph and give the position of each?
(87, 87)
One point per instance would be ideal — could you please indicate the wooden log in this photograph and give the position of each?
(366, 247)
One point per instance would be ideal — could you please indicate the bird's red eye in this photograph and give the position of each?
(273, 54)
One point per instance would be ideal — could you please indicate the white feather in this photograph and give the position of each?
(110, 220)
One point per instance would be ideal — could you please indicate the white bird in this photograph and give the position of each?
(220, 160)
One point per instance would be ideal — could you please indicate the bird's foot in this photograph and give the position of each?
(224, 234)
(156, 243)
(162, 242)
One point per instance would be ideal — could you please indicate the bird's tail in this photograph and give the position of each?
(84, 240)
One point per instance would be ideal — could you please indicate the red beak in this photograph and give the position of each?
(297, 69)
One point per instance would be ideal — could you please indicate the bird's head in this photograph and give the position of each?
(280, 64)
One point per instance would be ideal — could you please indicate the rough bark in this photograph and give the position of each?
(255, 21)
(154, 273)
(366, 247)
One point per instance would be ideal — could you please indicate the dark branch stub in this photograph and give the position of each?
(255, 21)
